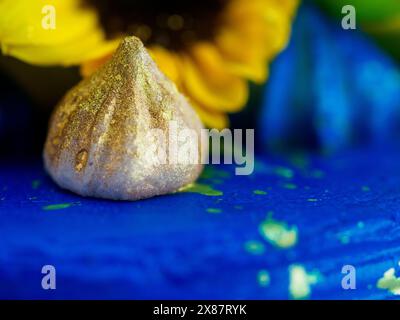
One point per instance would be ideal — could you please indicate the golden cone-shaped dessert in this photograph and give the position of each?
(116, 134)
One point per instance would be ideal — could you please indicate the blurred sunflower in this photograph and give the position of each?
(209, 48)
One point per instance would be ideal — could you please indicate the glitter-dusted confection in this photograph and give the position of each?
(98, 141)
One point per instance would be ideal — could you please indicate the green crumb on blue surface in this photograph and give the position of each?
(58, 206)
(214, 210)
(312, 200)
(365, 188)
(202, 189)
(260, 192)
(390, 282)
(278, 233)
(301, 281)
(35, 184)
(254, 247)
(210, 172)
(290, 186)
(300, 160)
(284, 172)
(263, 278)
(344, 239)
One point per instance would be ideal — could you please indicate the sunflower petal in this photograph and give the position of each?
(250, 63)
(89, 67)
(76, 37)
(168, 62)
(211, 119)
(262, 27)
(207, 79)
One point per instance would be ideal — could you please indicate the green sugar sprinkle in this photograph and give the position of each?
(300, 160)
(390, 282)
(210, 172)
(284, 172)
(254, 247)
(365, 188)
(290, 186)
(35, 184)
(344, 238)
(263, 278)
(301, 281)
(57, 206)
(278, 233)
(203, 189)
(214, 210)
(260, 192)
(312, 200)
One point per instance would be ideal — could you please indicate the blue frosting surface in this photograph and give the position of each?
(346, 209)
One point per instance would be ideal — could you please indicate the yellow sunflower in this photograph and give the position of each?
(209, 48)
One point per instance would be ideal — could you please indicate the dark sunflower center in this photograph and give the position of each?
(170, 23)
